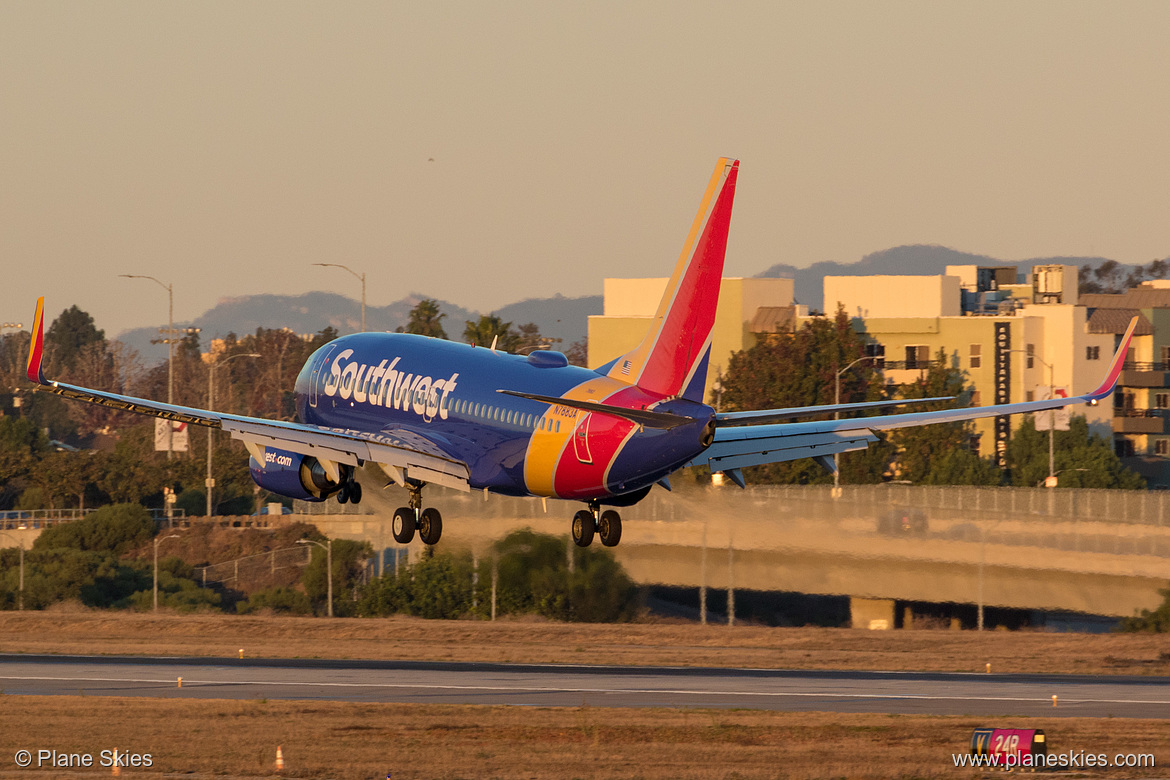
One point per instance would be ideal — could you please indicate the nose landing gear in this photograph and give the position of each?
(428, 522)
(607, 525)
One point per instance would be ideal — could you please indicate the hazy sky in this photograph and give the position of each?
(226, 146)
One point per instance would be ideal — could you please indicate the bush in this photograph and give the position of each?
(436, 587)
(534, 577)
(284, 600)
(117, 528)
(1156, 622)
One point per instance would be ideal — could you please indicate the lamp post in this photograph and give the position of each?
(328, 548)
(20, 543)
(361, 277)
(210, 482)
(157, 541)
(170, 342)
(1051, 481)
(837, 416)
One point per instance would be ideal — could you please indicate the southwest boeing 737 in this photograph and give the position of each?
(429, 411)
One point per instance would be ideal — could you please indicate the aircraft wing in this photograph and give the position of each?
(402, 454)
(737, 445)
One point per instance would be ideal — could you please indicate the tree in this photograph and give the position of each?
(425, 320)
(1082, 459)
(799, 369)
(486, 330)
(68, 335)
(578, 353)
(940, 454)
(1156, 622)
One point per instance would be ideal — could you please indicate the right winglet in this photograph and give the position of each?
(36, 350)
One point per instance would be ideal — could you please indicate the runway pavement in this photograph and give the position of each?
(598, 686)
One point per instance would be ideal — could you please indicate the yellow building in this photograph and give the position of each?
(630, 304)
(1013, 340)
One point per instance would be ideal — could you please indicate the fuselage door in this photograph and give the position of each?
(581, 440)
(315, 377)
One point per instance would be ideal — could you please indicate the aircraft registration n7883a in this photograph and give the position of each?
(430, 411)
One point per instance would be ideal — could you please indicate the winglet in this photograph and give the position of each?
(36, 349)
(1115, 367)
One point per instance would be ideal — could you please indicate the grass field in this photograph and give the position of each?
(514, 641)
(232, 739)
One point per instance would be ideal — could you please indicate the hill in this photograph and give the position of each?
(557, 317)
(910, 260)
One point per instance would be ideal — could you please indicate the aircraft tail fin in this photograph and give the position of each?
(672, 359)
(36, 349)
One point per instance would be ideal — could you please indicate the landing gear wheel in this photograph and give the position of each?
(583, 528)
(343, 495)
(430, 526)
(403, 525)
(355, 493)
(609, 528)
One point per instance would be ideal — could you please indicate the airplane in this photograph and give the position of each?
(430, 411)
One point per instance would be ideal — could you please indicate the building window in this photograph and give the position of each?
(1162, 446)
(976, 398)
(1165, 359)
(878, 353)
(1092, 353)
(1123, 447)
(1031, 355)
(1162, 400)
(976, 355)
(1029, 396)
(918, 357)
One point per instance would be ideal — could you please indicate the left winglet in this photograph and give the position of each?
(1114, 372)
(36, 349)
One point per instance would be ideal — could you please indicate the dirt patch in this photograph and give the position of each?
(230, 739)
(400, 638)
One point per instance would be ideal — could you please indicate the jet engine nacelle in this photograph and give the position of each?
(294, 475)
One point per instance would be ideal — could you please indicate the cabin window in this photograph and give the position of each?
(558, 426)
(511, 417)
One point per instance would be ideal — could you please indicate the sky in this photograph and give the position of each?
(483, 153)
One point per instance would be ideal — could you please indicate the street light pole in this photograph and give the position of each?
(1051, 482)
(20, 597)
(209, 483)
(157, 541)
(361, 277)
(837, 416)
(328, 548)
(170, 342)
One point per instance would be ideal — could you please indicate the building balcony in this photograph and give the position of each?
(1141, 421)
(1144, 375)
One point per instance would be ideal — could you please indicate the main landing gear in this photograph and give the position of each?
(607, 525)
(350, 491)
(428, 522)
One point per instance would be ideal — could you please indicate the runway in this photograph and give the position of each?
(596, 686)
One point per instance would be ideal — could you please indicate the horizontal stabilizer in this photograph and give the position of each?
(640, 416)
(727, 419)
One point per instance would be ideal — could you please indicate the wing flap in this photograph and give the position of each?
(727, 453)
